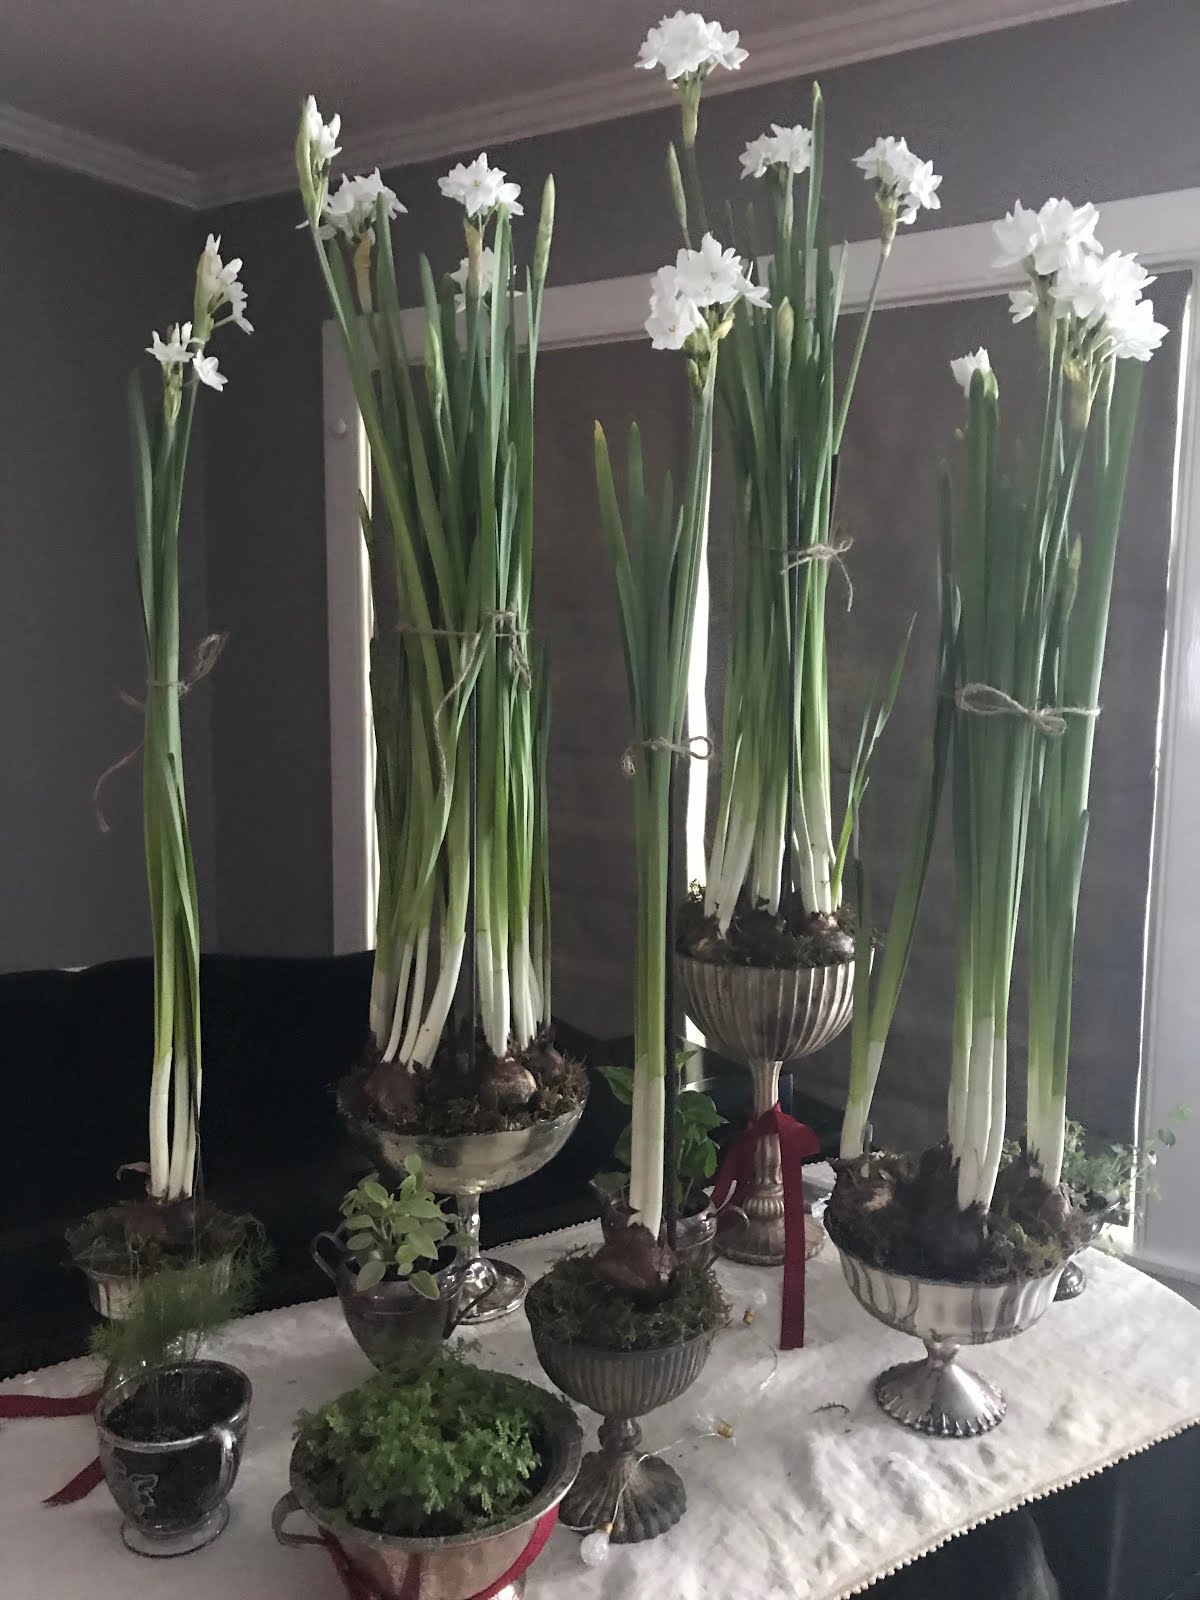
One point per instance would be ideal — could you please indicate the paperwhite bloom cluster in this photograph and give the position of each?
(700, 279)
(479, 189)
(175, 352)
(685, 46)
(789, 148)
(1071, 278)
(350, 209)
(322, 135)
(217, 285)
(965, 368)
(904, 184)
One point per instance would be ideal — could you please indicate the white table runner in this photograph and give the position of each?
(818, 1496)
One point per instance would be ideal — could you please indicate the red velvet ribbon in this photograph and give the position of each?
(14, 1406)
(359, 1587)
(796, 1141)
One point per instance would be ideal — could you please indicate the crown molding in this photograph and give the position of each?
(855, 32)
(86, 153)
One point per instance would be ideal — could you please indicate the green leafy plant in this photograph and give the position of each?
(391, 1233)
(443, 1451)
(695, 1118)
(1114, 1171)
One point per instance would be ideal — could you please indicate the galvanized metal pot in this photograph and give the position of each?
(174, 1492)
(695, 1235)
(466, 1165)
(640, 1495)
(461, 1565)
(937, 1395)
(390, 1319)
(765, 1017)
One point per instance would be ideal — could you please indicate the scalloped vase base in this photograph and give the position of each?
(940, 1398)
(640, 1497)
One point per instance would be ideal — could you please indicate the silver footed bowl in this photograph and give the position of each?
(937, 1395)
(458, 1565)
(764, 1017)
(467, 1165)
(640, 1495)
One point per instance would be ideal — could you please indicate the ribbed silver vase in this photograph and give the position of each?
(640, 1495)
(765, 1017)
(937, 1395)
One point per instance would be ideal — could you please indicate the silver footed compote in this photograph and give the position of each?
(938, 1395)
(467, 1165)
(766, 1017)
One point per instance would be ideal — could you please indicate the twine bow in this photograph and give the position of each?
(825, 552)
(985, 700)
(204, 659)
(697, 747)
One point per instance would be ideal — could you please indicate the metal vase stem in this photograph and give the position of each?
(492, 1288)
(760, 1243)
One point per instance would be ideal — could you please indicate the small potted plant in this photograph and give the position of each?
(459, 694)
(966, 1242)
(444, 1480)
(118, 1246)
(1103, 1182)
(171, 1425)
(696, 1165)
(395, 1262)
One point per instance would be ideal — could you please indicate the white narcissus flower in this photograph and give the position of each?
(685, 46)
(217, 285)
(173, 351)
(1046, 240)
(1092, 286)
(322, 135)
(1022, 303)
(790, 148)
(350, 209)
(673, 317)
(1132, 330)
(965, 368)
(713, 276)
(479, 189)
(904, 183)
(207, 371)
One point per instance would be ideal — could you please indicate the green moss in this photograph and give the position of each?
(438, 1449)
(561, 1088)
(109, 1241)
(576, 1306)
(757, 937)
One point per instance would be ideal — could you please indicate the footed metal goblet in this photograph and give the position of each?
(640, 1495)
(937, 1395)
(766, 1017)
(465, 1165)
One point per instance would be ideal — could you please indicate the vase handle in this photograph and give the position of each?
(229, 1458)
(322, 1244)
(287, 1505)
(480, 1280)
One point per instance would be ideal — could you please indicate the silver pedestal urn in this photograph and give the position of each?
(766, 1017)
(466, 1165)
(634, 1494)
(937, 1395)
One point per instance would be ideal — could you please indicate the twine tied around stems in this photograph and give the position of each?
(205, 657)
(505, 624)
(697, 747)
(832, 552)
(985, 700)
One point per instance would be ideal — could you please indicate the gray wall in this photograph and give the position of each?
(1100, 105)
(88, 271)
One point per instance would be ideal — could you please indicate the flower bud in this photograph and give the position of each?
(545, 233)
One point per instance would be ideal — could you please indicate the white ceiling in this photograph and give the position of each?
(198, 99)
